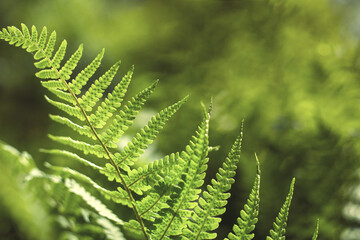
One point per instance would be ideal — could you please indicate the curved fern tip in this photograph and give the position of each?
(155, 83)
(293, 183)
(316, 231)
(210, 106)
(257, 164)
(186, 98)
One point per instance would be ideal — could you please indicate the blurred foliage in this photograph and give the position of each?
(29, 219)
(289, 68)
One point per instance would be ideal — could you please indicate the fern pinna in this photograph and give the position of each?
(165, 195)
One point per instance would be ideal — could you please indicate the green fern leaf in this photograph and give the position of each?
(112, 101)
(82, 130)
(248, 216)
(112, 232)
(72, 156)
(212, 204)
(77, 189)
(164, 186)
(119, 196)
(150, 206)
(74, 187)
(278, 232)
(315, 235)
(145, 136)
(83, 77)
(143, 178)
(125, 118)
(47, 74)
(42, 39)
(168, 204)
(72, 111)
(34, 35)
(50, 45)
(133, 229)
(27, 36)
(63, 95)
(173, 220)
(66, 71)
(53, 85)
(92, 96)
(86, 148)
(59, 55)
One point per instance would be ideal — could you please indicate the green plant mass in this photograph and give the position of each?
(163, 199)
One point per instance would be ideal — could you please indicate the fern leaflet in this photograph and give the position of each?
(278, 232)
(248, 216)
(214, 200)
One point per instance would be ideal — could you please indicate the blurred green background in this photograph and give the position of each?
(289, 68)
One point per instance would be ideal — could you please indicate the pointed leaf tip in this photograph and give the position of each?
(186, 98)
(210, 106)
(155, 83)
(292, 183)
(257, 164)
(316, 231)
(118, 63)
(102, 52)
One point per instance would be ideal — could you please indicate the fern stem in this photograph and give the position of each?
(127, 189)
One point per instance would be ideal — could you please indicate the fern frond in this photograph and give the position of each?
(82, 130)
(75, 188)
(164, 186)
(53, 85)
(86, 148)
(112, 232)
(72, 156)
(150, 206)
(47, 52)
(143, 178)
(278, 232)
(145, 136)
(119, 196)
(27, 37)
(41, 43)
(83, 77)
(172, 221)
(112, 101)
(249, 215)
(125, 118)
(63, 95)
(56, 81)
(47, 74)
(72, 111)
(66, 71)
(58, 57)
(315, 235)
(212, 204)
(93, 95)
